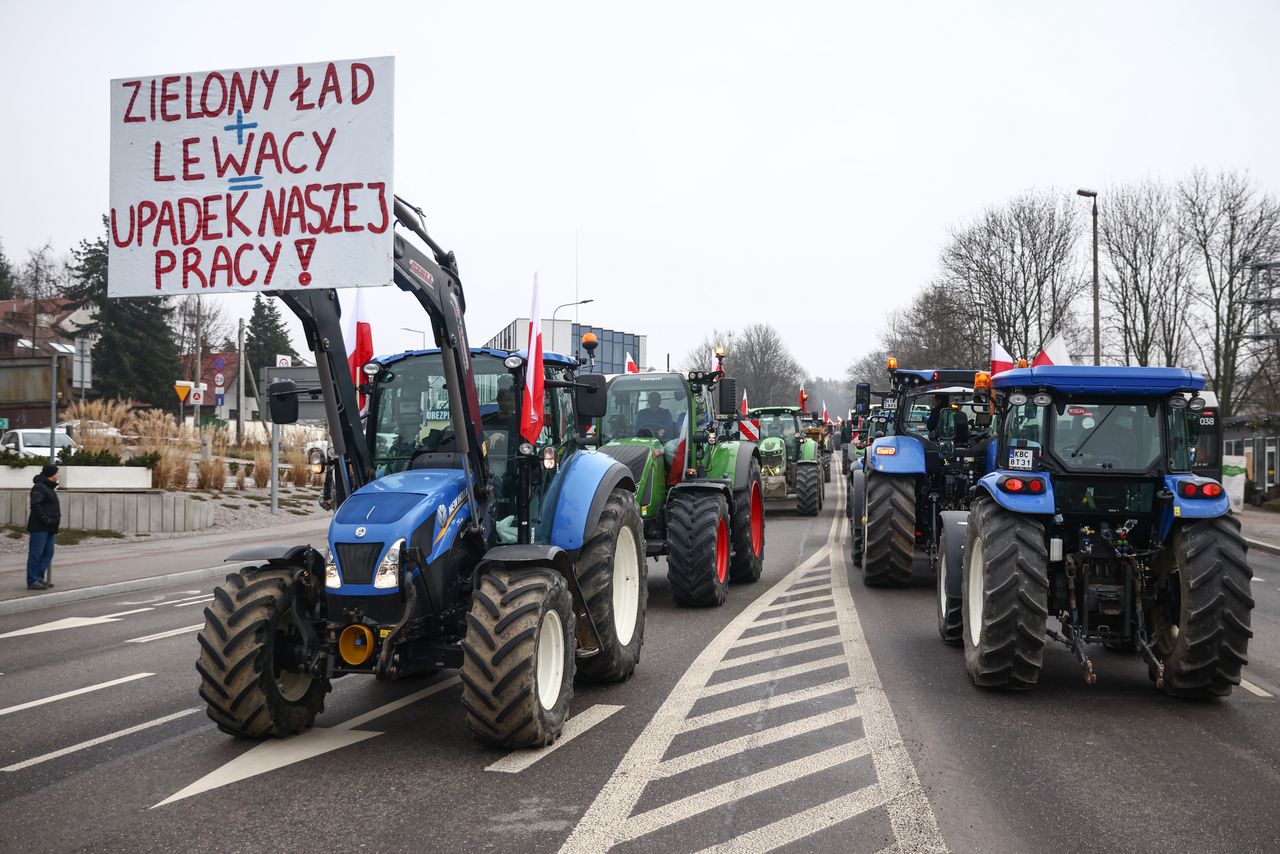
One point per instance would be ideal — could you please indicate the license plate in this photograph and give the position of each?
(1021, 458)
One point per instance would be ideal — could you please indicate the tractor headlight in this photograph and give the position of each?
(331, 578)
(389, 570)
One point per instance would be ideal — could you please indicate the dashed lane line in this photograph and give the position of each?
(518, 760)
(1254, 689)
(169, 634)
(77, 692)
(94, 742)
(766, 704)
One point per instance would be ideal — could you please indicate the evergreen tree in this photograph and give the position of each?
(8, 277)
(135, 356)
(265, 335)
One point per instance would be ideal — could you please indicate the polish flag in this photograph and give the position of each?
(531, 423)
(357, 334)
(1000, 358)
(745, 408)
(826, 419)
(632, 367)
(1054, 352)
(804, 399)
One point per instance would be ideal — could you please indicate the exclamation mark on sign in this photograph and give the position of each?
(306, 247)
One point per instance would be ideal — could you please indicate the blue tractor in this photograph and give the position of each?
(1093, 516)
(938, 431)
(456, 542)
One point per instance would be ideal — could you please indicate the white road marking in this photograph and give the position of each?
(281, 752)
(765, 704)
(767, 621)
(752, 740)
(1257, 579)
(72, 623)
(771, 676)
(77, 692)
(789, 649)
(745, 642)
(94, 742)
(1254, 689)
(518, 760)
(158, 599)
(795, 827)
(196, 602)
(739, 788)
(169, 634)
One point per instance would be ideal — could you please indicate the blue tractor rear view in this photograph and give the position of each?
(456, 543)
(1095, 517)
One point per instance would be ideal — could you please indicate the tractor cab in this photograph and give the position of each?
(653, 412)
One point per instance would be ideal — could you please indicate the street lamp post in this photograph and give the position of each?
(420, 332)
(553, 319)
(1097, 334)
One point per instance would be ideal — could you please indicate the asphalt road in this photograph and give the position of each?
(809, 713)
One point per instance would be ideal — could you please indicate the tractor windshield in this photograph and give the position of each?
(411, 411)
(647, 406)
(783, 426)
(1092, 436)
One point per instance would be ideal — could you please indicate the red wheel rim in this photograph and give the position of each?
(722, 551)
(757, 520)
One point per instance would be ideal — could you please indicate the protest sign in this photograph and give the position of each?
(252, 179)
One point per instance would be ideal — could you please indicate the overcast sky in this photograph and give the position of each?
(720, 163)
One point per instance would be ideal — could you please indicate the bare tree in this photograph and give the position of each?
(1017, 265)
(764, 366)
(1148, 274)
(216, 325)
(700, 357)
(1227, 221)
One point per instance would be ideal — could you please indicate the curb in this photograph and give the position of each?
(62, 597)
(1259, 546)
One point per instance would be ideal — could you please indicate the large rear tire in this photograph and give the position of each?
(857, 499)
(698, 556)
(1005, 597)
(613, 579)
(950, 608)
(1205, 650)
(890, 545)
(808, 489)
(518, 657)
(248, 680)
(748, 529)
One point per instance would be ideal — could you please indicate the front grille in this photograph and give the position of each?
(357, 561)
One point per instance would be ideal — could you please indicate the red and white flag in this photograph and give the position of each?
(1000, 358)
(1054, 352)
(632, 367)
(745, 408)
(804, 399)
(357, 334)
(826, 419)
(531, 423)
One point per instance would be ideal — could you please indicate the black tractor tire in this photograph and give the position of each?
(698, 548)
(248, 630)
(950, 619)
(1005, 597)
(808, 490)
(501, 655)
(615, 588)
(857, 498)
(747, 561)
(826, 469)
(889, 545)
(1211, 645)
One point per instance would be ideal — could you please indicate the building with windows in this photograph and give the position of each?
(565, 336)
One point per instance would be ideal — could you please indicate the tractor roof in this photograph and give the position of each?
(555, 359)
(937, 375)
(1101, 379)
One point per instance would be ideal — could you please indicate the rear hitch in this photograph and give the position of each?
(1073, 641)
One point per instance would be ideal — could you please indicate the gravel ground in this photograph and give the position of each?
(234, 510)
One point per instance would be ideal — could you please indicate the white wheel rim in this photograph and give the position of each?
(626, 587)
(550, 659)
(974, 595)
(942, 585)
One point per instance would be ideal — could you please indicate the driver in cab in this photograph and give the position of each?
(937, 426)
(655, 418)
(408, 438)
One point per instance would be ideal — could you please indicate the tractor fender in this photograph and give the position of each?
(732, 461)
(1035, 505)
(720, 487)
(275, 554)
(529, 556)
(747, 451)
(1190, 508)
(896, 455)
(578, 494)
(808, 451)
(951, 543)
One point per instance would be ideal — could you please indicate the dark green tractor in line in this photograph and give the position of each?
(791, 460)
(698, 485)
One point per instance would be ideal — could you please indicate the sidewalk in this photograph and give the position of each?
(82, 572)
(1261, 529)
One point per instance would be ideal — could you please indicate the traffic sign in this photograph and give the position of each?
(4, 423)
(219, 363)
(183, 388)
(197, 397)
(219, 379)
(219, 398)
(283, 361)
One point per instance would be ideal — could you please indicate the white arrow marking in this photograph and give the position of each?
(169, 634)
(72, 623)
(74, 693)
(280, 752)
(94, 742)
(518, 760)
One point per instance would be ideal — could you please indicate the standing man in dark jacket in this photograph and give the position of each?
(42, 525)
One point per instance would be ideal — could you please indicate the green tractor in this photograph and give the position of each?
(792, 461)
(698, 486)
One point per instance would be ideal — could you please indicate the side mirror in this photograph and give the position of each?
(282, 396)
(862, 398)
(728, 403)
(589, 396)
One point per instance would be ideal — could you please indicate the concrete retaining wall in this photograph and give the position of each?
(110, 478)
(152, 511)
